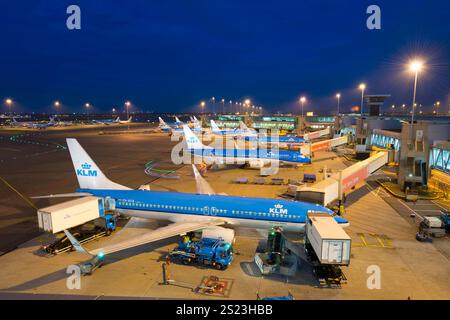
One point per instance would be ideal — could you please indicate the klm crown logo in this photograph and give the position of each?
(278, 209)
(86, 171)
(86, 166)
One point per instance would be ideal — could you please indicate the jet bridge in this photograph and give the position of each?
(334, 187)
(326, 145)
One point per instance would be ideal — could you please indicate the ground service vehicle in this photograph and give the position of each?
(211, 252)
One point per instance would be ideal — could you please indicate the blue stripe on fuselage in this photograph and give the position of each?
(281, 155)
(215, 205)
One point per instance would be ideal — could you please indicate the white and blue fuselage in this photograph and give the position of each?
(244, 155)
(259, 213)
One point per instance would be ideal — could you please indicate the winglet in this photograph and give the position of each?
(78, 247)
(203, 187)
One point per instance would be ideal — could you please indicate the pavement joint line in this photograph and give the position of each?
(409, 208)
(438, 205)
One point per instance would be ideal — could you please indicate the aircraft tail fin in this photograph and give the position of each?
(161, 121)
(88, 173)
(192, 141)
(243, 126)
(177, 120)
(214, 126)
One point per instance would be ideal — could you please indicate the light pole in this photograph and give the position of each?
(247, 103)
(87, 105)
(362, 87)
(202, 106)
(438, 103)
(302, 102)
(231, 106)
(9, 103)
(415, 66)
(127, 105)
(57, 105)
(214, 104)
(223, 105)
(338, 96)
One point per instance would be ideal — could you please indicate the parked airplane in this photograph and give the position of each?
(34, 125)
(126, 121)
(280, 141)
(255, 158)
(177, 129)
(187, 211)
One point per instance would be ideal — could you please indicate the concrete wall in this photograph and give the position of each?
(416, 142)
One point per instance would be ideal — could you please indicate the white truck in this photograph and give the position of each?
(70, 214)
(330, 243)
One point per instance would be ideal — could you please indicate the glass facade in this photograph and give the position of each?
(385, 141)
(320, 119)
(439, 159)
(280, 123)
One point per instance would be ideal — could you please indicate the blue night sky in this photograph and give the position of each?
(169, 55)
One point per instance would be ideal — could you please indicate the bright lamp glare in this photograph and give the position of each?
(415, 66)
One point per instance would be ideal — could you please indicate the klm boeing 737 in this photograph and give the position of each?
(282, 141)
(186, 211)
(255, 158)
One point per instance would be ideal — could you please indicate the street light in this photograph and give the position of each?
(362, 87)
(127, 105)
(202, 106)
(56, 104)
(9, 103)
(214, 104)
(415, 66)
(87, 105)
(338, 96)
(438, 103)
(223, 105)
(302, 102)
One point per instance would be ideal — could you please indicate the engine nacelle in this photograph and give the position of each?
(258, 164)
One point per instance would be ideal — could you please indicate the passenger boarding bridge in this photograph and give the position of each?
(440, 156)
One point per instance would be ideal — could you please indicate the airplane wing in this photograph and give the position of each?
(203, 187)
(64, 195)
(171, 230)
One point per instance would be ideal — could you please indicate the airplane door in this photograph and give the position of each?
(206, 210)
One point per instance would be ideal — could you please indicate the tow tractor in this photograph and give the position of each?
(210, 252)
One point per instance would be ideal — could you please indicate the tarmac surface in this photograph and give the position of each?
(383, 235)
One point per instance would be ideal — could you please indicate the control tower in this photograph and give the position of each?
(375, 102)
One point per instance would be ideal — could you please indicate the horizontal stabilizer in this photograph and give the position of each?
(63, 195)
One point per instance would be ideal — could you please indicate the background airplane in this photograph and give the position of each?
(255, 158)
